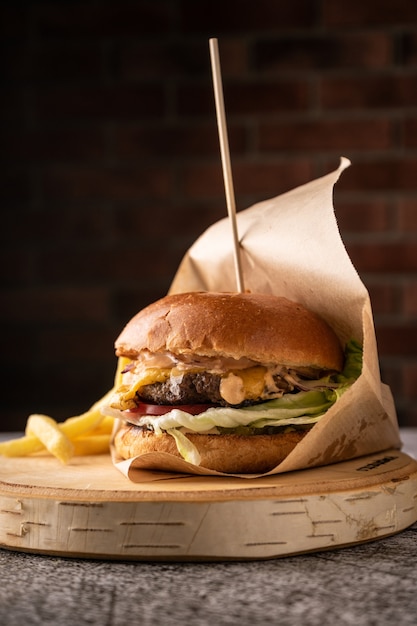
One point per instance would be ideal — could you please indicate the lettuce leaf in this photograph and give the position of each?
(353, 363)
(187, 450)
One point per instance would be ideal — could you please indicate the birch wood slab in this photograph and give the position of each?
(89, 509)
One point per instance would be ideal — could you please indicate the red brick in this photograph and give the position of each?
(320, 135)
(407, 415)
(399, 340)
(245, 98)
(182, 221)
(16, 264)
(410, 132)
(135, 261)
(407, 215)
(270, 179)
(234, 56)
(377, 92)
(259, 97)
(384, 257)
(18, 342)
(409, 48)
(217, 16)
(372, 50)
(49, 226)
(14, 21)
(409, 374)
(12, 106)
(113, 19)
(203, 179)
(128, 301)
(369, 13)
(370, 215)
(381, 174)
(148, 59)
(385, 298)
(16, 187)
(115, 183)
(57, 305)
(86, 345)
(56, 144)
(410, 299)
(100, 102)
(391, 375)
(51, 62)
(267, 179)
(175, 141)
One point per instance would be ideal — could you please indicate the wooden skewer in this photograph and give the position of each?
(225, 155)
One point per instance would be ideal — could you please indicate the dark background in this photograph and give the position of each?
(111, 165)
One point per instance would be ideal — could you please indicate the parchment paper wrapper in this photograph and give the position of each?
(291, 247)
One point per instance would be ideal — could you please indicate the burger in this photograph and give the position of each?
(228, 381)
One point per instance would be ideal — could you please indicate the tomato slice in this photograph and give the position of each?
(160, 409)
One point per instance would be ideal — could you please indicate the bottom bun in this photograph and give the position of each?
(230, 454)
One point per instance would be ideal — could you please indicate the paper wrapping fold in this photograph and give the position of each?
(291, 246)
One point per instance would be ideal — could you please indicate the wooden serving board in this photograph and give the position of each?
(89, 509)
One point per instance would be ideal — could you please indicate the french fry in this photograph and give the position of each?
(104, 428)
(91, 444)
(76, 426)
(48, 432)
(90, 425)
(21, 446)
(72, 427)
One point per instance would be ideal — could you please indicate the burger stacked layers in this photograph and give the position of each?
(229, 381)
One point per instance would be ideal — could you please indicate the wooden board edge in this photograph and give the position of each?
(281, 485)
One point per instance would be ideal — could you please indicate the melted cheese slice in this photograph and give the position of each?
(147, 376)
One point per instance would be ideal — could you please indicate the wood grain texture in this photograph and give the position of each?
(89, 509)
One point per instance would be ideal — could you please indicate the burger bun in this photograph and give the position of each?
(231, 454)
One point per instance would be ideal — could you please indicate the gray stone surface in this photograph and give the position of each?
(366, 585)
(375, 583)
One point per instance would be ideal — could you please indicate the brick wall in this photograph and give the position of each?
(111, 165)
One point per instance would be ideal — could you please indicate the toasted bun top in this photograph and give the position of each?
(261, 327)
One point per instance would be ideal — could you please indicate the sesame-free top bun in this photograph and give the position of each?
(230, 454)
(261, 327)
